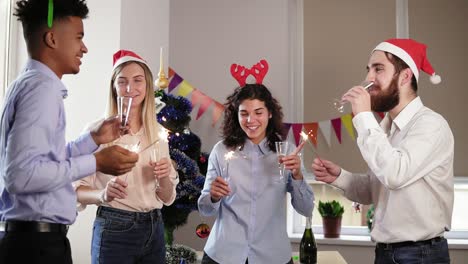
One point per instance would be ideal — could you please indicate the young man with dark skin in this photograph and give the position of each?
(37, 166)
(409, 155)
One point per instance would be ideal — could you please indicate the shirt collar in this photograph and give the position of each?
(403, 118)
(261, 147)
(44, 69)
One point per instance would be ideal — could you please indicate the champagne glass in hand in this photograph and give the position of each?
(124, 104)
(281, 151)
(339, 104)
(155, 156)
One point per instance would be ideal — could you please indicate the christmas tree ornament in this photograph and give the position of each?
(357, 207)
(162, 82)
(203, 230)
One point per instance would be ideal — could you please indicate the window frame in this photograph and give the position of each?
(8, 45)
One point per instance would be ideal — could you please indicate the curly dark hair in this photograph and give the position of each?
(33, 14)
(232, 133)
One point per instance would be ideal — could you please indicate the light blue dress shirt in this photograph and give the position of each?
(251, 222)
(37, 167)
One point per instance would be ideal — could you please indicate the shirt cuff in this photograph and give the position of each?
(343, 180)
(85, 165)
(174, 176)
(300, 185)
(86, 143)
(365, 121)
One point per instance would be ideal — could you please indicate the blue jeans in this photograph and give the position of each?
(126, 237)
(433, 251)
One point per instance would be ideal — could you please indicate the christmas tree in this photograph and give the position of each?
(191, 162)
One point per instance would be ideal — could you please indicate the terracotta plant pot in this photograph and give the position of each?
(331, 227)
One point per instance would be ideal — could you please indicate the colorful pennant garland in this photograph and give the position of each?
(198, 98)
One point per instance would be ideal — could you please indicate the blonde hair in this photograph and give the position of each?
(148, 113)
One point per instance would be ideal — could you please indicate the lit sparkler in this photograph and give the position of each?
(305, 137)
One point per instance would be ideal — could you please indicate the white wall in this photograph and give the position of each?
(144, 28)
(207, 36)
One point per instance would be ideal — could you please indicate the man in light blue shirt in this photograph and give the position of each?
(37, 166)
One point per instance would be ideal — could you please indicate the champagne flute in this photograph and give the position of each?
(124, 104)
(339, 104)
(155, 156)
(281, 151)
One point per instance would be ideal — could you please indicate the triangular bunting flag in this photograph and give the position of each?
(297, 128)
(184, 88)
(286, 127)
(217, 112)
(348, 124)
(196, 97)
(336, 123)
(325, 127)
(381, 114)
(205, 103)
(311, 131)
(175, 81)
(171, 73)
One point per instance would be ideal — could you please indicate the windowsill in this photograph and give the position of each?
(365, 241)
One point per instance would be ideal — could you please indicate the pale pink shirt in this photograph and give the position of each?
(142, 196)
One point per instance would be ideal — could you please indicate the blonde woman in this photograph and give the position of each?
(128, 227)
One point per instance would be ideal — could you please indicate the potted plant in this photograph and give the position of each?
(331, 213)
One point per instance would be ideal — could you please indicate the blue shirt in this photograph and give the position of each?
(37, 167)
(251, 222)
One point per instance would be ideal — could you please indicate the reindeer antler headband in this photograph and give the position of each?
(240, 73)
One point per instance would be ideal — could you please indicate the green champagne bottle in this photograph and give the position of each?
(308, 247)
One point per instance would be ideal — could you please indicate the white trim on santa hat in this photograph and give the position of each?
(126, 59)
(400, 53)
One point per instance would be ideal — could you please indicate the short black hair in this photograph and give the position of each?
(33, 13)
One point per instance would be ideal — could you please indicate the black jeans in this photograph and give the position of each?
(207, 260)
(34, 248)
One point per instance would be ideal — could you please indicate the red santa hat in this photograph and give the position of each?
(411, 52)
(123, 56)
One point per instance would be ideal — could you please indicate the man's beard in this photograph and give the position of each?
(386, 100)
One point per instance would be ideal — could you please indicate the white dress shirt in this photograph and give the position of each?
(410, 177)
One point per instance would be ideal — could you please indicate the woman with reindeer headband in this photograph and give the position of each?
(242, 187)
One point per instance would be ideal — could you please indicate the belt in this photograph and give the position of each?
(32, 226)
(409, 243)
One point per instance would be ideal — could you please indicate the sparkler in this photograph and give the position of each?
(227, 157)
(305, 137)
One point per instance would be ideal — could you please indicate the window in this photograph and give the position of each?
(5, 44)
(354, 224)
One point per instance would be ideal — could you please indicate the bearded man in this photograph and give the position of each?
(409, 155)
